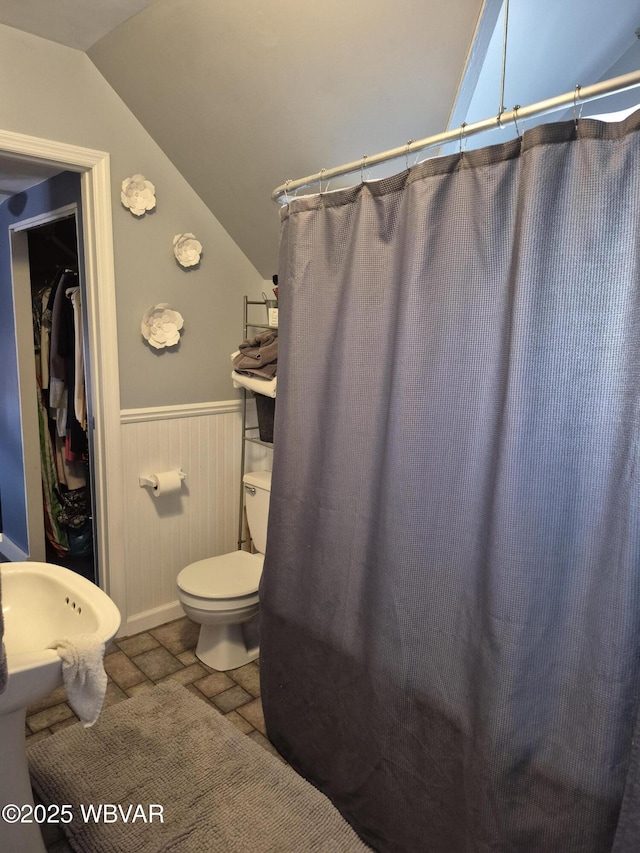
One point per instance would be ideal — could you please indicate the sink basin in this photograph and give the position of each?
(41, 603)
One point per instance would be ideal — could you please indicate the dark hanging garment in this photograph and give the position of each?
(42, 314)
(63, 363)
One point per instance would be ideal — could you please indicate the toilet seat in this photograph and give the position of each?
(228, 576)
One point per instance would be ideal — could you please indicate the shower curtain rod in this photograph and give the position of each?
(581, 95)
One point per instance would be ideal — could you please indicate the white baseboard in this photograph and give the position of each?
(151, 619)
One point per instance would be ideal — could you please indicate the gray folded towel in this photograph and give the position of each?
(258, 356)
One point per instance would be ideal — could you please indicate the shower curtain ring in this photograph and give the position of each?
(462, 127)
(515, 118)
(362, 165)
(322, 171)
(576, 98)
(406, 153)
(286, 194)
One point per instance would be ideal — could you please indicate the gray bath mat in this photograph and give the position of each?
(218, 791)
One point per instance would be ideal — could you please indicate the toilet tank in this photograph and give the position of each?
(257, 491)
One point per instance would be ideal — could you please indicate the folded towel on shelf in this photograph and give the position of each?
(83, 674)
(267, 387)
(258, 356)
(4, 674)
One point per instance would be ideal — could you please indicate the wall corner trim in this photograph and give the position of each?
(11, 552)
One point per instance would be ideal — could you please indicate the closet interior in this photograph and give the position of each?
(62, 398)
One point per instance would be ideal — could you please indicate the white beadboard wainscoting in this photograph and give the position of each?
(164, 534)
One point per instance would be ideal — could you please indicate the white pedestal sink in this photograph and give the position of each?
(41, 603)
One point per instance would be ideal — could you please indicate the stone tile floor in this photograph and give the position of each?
(138, 662)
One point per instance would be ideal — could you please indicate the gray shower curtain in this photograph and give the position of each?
(451, 593)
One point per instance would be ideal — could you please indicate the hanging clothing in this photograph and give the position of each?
(79, 401)
(54, 531)
(57, 369)
(57, 325)
(67, 366)
(44, 334)
(450, 601)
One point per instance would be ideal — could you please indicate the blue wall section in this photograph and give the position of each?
(48, 196)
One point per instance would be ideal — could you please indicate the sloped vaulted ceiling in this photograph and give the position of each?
(244, 95)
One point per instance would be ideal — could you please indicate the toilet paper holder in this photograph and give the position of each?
(146, 479)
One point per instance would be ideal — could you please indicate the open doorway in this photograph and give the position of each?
(93, 168)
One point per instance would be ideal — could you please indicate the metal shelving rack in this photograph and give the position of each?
(247, 431)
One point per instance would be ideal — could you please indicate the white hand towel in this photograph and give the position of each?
(267, 387)
(83, 674)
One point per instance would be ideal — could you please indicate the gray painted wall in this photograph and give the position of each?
(54, 92)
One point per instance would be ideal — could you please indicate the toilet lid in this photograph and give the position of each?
(228, 576)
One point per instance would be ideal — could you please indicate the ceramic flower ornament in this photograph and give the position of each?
(138, 194)
(161, 326)
(187, 250)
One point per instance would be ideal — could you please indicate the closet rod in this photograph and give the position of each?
(580, 95)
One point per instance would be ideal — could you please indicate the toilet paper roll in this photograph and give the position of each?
(166, 483)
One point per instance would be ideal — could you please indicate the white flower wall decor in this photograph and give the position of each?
(161, 326)
(138, 195)
(187, 250)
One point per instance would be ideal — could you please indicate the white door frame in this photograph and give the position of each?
(100, 311)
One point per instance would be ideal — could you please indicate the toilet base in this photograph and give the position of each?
(225, 647)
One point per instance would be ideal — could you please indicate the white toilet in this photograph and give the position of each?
(221, 593)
